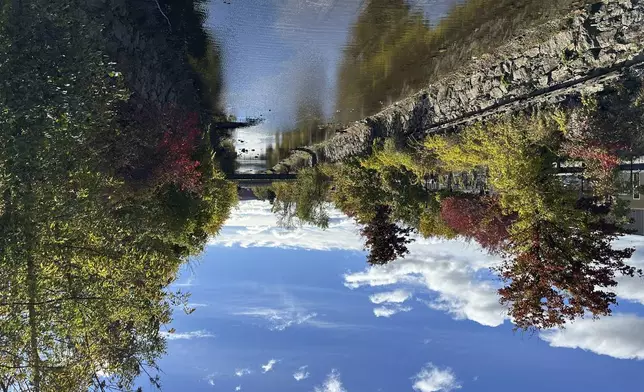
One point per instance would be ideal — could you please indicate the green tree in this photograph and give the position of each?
(303, 201)
(86, 253)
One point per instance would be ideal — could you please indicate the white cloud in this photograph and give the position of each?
(396, 296)
(242, 372)
(388, 311)
(101, 373)
(618, 336)
(196, 305)
(187, 283)
(238, 388)
(301, 373)
(252, 224)
(210, 379)
(331, 384)
(631, 288)
(269, 365)
(432, 379)
(279, 319)
(448, 270)
(187, 335)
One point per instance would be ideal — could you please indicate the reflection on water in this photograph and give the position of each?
(119, 142)
(326, 64)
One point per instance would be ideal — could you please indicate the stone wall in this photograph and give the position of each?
(582, 53)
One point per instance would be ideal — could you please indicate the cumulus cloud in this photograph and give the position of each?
(388, 311)
(252, 224)
(449, 271)
(187, 335)
(618, 336)
(432, 379)
(396, 296)
(242, 372)
(631, 288)
(301, 373)
(238, 388)
(332, 383)
(269, 366)
(279, 319)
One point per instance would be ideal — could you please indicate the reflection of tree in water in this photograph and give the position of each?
(104, 196)
(310, 83)
(393, 50)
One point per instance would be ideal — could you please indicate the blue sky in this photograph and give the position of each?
(429, 322)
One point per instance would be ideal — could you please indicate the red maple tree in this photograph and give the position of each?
(554, 274)
(478, 218)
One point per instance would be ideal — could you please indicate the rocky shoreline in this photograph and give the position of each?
(590, 48)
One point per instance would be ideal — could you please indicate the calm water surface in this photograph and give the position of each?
(282, 62)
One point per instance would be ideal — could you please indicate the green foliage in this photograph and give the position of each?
(431, 223)
(386, 155)
(517, 154)
(303, 201)
(356, 190)
(209, 71)
(86, 252)
(264, 193)
(385, 240)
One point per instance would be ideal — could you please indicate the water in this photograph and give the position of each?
(318, 66)
(442, 255)
(282, 62)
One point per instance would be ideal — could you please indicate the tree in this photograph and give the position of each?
(385, 240)
(86, 254)
(356, 190)
(304, 201)
(518, 154)
(478, 218)
(555, 273)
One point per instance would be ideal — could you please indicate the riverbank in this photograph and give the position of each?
(582, 54)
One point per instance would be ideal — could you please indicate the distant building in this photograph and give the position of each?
(635, 199)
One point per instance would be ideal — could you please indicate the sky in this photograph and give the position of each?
(302, 311)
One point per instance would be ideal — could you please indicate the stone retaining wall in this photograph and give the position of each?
(585, 51)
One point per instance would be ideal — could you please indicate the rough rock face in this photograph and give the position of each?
(139, 39)
(584, 52)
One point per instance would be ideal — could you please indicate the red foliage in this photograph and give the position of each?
(479, 218)
(178, 144)
(562, 274)
(386, 240)
(604, 156)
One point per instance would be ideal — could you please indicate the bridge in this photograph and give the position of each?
(262, 177)
(246, 180)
